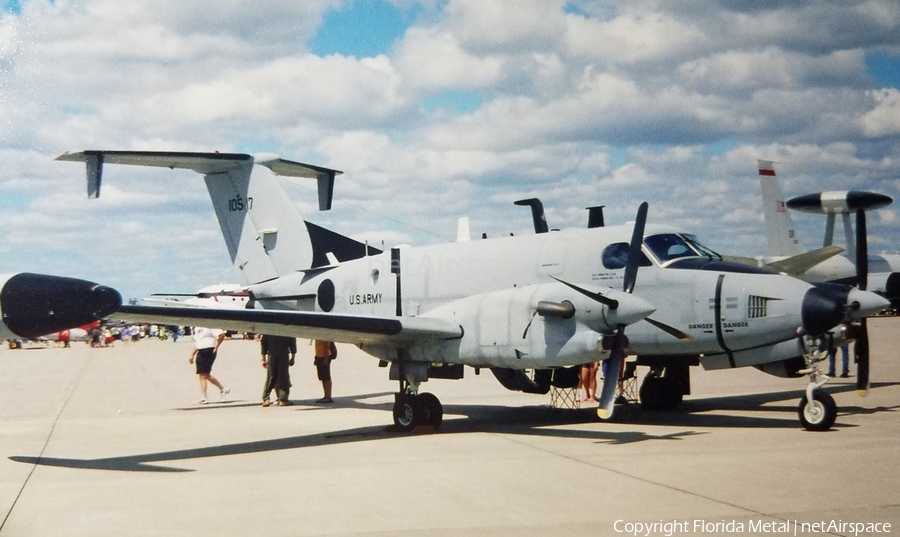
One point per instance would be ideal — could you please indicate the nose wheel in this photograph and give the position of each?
(818, 413)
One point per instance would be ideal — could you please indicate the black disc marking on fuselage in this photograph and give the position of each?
(325, 295)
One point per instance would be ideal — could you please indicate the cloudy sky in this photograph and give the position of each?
(436, 109)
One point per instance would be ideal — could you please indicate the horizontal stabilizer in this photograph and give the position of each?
(800, 263)
(352, 329)
(203, 163)
(324, 176)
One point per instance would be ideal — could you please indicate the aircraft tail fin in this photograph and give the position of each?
(780, 232)
(265, 234)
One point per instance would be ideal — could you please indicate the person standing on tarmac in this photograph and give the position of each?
(277, 356)
(326, 351)
(206, 345)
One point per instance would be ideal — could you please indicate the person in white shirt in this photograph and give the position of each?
(206, 345)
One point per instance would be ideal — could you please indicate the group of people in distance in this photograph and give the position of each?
(278, 354)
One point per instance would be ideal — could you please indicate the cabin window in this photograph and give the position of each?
(615, 256)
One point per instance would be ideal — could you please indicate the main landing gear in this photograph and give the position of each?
(411, 408)
(414, 409)
(817, 410)
(664, 388)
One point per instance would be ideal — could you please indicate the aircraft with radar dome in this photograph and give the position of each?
(524, 307)
(784, 241)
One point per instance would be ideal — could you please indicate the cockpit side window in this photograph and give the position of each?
(669, 246)
(615, 256)
(701, 249)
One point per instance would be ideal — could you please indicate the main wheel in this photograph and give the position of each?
(659, 393)
(407, 411)
(432, 410)
(818, 414)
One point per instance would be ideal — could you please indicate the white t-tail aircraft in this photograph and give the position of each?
(35, 305)
(224, 295)
(512, 304)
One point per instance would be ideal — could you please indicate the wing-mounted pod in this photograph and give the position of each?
(33, 305)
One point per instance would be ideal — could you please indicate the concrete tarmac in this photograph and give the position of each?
(106, 442)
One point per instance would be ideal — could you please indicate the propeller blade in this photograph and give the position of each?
(862, 251)
(611, 380)
(671, 330)
(861, 347)
(861, 357)
(634, 248)
(611, 303)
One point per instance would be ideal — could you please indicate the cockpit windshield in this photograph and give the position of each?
(668, 246)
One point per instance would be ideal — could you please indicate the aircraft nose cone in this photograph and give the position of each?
(36, 304)
(631, 310)
(865, 303)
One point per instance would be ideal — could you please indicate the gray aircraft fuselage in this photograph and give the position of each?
(491, 288)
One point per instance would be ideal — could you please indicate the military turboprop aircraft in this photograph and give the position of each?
(538, 302)
(34, 305)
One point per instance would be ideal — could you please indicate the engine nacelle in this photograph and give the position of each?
(538, 326)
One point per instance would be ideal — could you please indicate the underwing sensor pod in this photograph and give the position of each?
(33, 305)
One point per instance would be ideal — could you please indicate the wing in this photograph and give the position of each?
(800, 263)
(354, 329)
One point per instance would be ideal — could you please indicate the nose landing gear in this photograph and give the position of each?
(817, 410)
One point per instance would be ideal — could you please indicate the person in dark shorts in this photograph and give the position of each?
(326, 351)
(277, 356)
(206, 346)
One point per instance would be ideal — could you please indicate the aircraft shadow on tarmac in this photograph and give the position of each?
(538, 420)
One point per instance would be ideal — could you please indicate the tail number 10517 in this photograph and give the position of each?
(238, 204)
